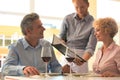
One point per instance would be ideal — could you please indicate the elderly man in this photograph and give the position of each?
(24, 57)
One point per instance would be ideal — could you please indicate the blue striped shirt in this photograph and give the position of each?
(21, 54)
(79, 33)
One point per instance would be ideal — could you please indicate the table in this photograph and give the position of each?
(61, 77)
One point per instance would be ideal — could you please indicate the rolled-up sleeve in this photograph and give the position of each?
(63, 30)
(117, 59)
(90, 48)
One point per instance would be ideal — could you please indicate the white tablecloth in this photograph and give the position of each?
(60, 77)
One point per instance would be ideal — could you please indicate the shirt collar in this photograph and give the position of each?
(86, 18)
(110, 46)
(26, 44)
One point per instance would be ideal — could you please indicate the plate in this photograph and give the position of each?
(51, 74)
(74, 74)
(83, 74)
(42, 75)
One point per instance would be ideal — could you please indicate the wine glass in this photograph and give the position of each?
(46, 56)
(70, 56)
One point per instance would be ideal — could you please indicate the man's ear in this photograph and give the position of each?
(28, 31)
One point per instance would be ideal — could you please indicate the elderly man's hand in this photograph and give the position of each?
(66, 69)
(30, 71)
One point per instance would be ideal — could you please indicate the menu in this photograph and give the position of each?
(61, 47)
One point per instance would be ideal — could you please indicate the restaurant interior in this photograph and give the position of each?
(51, 13)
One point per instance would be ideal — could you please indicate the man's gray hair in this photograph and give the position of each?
(27, 22)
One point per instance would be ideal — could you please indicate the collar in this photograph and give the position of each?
(86, 18)
(26, 44)
(111, 45)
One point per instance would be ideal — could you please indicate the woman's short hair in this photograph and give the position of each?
(108, 25)
(28, 21)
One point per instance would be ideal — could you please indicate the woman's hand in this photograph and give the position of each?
(109, 74)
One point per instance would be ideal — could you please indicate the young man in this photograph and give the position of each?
(77, 32)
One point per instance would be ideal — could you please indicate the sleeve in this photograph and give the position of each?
(54, 65)
(95, 63)
(63, 30)
(90, 48)
(117, 59)
(10, 66)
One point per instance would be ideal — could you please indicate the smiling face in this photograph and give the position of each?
(81, 8)
(37, 31)
(100, 34)
(105, 28)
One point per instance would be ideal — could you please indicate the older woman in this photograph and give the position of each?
(107, 61)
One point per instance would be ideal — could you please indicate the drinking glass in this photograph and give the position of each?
(70, 56)
(46, 56)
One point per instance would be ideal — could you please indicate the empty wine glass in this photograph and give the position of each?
(46, 56)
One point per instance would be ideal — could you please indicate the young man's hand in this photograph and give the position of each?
(78, 62)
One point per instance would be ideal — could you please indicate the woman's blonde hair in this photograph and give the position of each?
(108, 25)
